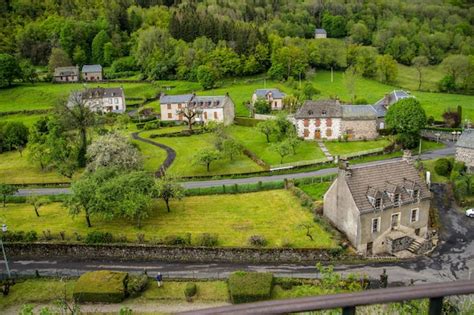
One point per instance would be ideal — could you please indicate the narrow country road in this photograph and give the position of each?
(449, 150)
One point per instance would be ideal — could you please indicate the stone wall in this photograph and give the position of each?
(169, 253)
(360, 128)
(398, 244)
(467, 156)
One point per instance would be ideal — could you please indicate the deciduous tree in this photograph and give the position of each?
(7, 190)
(267, 127)
(206, 157)
(37, 202)
(167, 188)
(419, 63)
(9, 70)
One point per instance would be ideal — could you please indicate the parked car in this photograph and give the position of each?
(470, 213)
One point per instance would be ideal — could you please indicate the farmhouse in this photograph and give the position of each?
(273, 96)
(320, 33)
(92, 73)
(104, 100)
(381, 208)
(328, 119)
(66, 74)
(211, 108)
(465, 149)
(382, 105)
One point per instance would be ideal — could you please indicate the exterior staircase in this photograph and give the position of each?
(415, 246)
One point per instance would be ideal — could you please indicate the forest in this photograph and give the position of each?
(210, 40)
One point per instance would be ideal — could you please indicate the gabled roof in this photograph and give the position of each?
(276, 93)
(393, 97)
(466, 140)
(99, 92)
(65, 71)
(209, 101)
(380, 109)
(393, 176)
(175, 99)
(320, 31)
(91, 68)
(358, 112)
(320, 109)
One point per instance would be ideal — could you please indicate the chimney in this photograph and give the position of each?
(344, 168)
(407, 156)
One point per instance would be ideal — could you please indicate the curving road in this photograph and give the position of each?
(170, 153)
(449, 150)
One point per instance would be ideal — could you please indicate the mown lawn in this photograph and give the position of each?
(16, 169)
(435, 178)
(316, 190)
(408, 77)
(274, 214)
(341, 148)
(187, 147)
(256, 142)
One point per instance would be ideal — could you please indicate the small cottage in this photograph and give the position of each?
(273, 96)
(92, 73)
(66, 74)
(320, 33)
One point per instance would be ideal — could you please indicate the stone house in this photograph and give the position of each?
(66, 74)
(320, 33)
(328, 119)
(382, 105)
(92, 72)
(465, 149)
(103, 100)
(381, 208)
(273, 96)
(212, 108)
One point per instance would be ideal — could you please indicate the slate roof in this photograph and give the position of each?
(380, 109)
(91, 68)
(466, 140)
(357, 112)
(175, 99)
(102, 93)
(319, 109)
(66, 71)
(320, 31)
(209, 101)
(393, 97)
(276, 93)
(378, 180)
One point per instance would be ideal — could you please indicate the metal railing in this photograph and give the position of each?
(348, 302)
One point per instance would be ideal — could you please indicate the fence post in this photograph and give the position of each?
(436, 306)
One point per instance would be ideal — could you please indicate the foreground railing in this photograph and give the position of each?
(349, 301)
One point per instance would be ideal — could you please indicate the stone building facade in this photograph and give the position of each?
(273, 96)
(328, 119)
(465, 149)
(101, 100)
(66, 74)
(92, 73)
(381, 208)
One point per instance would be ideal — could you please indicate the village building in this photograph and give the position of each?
(320, 33)
(92, 72)
(101, 100)
(381, 208)
(328, 119)
(66, 74)
(465, 149)
(382, 105)
(273, 96)
(210, 108)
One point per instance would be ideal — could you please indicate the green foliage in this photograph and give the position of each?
(9, 70)
(258, 241)
(246, 287)
(101, 286)
(167, 188)
(58, 58)
(387, 68)
(7, 190)
(190, 290)
(98, 237)
(98, 47)
(206, 157)
(137, 284)
(13, 136)
(206, 76)
(177, 240)
(262, 106)
(267, 127)
(443, 167)
(207, 240)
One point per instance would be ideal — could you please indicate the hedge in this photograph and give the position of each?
(235, 189)
(101, 286)
(245, 287)
(247, 122)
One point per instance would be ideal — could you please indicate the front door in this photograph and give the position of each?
(317, 134)
(369, 248)
(395, 218)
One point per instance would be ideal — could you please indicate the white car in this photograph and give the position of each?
(470, 213)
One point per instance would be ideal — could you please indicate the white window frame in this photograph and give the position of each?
(397, 201)
(379, 222)
(417, 215)
(399, 218)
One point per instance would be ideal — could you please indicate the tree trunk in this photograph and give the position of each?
(190, 125)
(167, 201)
(83, 148)
(88, 219)
(36, 211)
(268, 137)
(208, 165)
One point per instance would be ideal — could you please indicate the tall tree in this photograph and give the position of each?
(190, 114)
(456, 66)
(7, 190)
(419, 63)
(58, 58)
(387, 68)
(9, 70)
(267, 127)
(167, 188)
(98, 44)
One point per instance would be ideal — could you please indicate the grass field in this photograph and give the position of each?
(341, 148)
(408, 77)
(16, 169)
(257, 143)
(186, 148)
(317, 190)
(275, 214)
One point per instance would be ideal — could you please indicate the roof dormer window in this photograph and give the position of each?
(396, 199)
(416, 194)
(378, 203)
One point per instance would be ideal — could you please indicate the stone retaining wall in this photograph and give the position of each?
(170, 253)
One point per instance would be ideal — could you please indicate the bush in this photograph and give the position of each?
(152, 125)
(101, 286)
(442, 167)
(137, 284)
(207, 239)
(190, 290)
(14, 236)
(31, 236)
(257, 240)
(248, 287)
(98, 237)
(177, 240)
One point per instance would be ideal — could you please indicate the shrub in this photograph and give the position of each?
(190, 290)
(248, 287)
(442, 167)
(152, 125)
(98, 237)
(14, 236)
(101, 286)
(177, 240)
(207, 239)
(31, 236)
(257, 240)
(137, 284)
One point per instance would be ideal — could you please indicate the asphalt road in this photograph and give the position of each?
(449, 150)
(452, 259)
